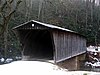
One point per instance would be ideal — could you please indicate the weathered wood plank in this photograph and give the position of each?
(67, 44)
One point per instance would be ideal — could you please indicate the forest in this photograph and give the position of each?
(81, 16)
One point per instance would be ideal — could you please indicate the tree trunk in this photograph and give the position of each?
(87, 3)
(5, 41)
(40, 8)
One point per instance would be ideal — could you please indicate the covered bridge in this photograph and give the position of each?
(45, 41)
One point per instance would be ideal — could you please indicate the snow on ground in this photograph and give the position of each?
(38, 68)
(92, 48)
(83, 73)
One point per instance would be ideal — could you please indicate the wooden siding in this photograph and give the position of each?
(29, 26)
(68, 44)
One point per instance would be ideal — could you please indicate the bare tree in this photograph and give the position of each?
(6, 12)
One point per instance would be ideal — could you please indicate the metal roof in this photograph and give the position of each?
(47, 25)
(52, 26)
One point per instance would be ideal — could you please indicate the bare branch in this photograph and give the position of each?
(18, 3)
(3, 6)
(11, 1)
(7, 17)
(12, 12)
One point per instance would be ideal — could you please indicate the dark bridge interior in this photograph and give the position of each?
(37, 44)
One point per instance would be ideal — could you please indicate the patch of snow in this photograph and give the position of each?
(92, 48)
(2, 59)
(37, 68)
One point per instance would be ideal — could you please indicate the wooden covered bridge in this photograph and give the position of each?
(49, 42)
